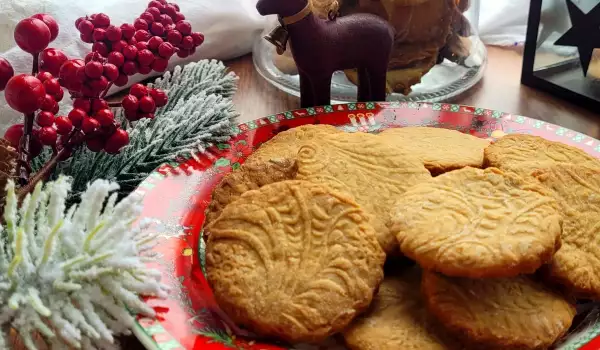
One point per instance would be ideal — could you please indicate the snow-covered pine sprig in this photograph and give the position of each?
(72, 275)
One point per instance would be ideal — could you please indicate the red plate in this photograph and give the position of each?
(179, 201)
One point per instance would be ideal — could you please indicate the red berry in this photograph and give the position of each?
(86, 27)
(157, 4)
(148, 17)
(184, 27)
(174, 5)
(147, 104)
(170, 27)
(155, 12)
(132, 41)
(142, 45)
(187, 42)
(47, 136)
(100, 48)
(50, 22)
(25, 93)
(145, 57)
(174, 37)
(142, 35)
(99, 85)
(98, 104)
(90, 56)
(154, 43)
(132, 115)
(130, 52)
(99, 34)
(86, 38)
(83, 104)
(76, 116)
(104, 117)
(43, 76)
(118, 140)
(95, 144)
(121, 80)
(51, 60)
(113, 33)
(48, 104)
(101, 20)
(111, 72)
(81, 76)
(130, 103)
(183, 53)
(116, 58)
(171, 10)
(6, 72)
(144, 69)
(68, 74)
(166, 20)
(127, 31)
(45, 118)
(79, 20)
(13, 134)
(159, 96)
(160, 65)
(94, 69)
(140, 24)
(178, 17)
(89, 125)
(130, 67)
(157, 29)
(138, 90)
(32, 35)
(87, 91)
(119, 46)
(166, 50)
(63, 125)
(52, 86)
(59, 95)
(198, 38)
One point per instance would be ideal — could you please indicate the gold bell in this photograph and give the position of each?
(278, 37)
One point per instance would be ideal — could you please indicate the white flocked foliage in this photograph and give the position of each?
(71, 275)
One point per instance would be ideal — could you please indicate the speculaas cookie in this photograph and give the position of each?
(366, 167)
(498, 313)
(440, 149)
(524, 154)
(293, 260)
(398, 319)
(250, 176)
(576, 265)
(478, 223)
(287, 143)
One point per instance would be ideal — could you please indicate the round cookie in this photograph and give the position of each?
(397, 319)
(293, 260)
(524, 154)
(287, 143)
(505, 313)
(439, 149)
(478, 223)
(576, 265)
(372, 171)
(250, 176)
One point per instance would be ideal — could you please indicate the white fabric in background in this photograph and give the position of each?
(230, 28)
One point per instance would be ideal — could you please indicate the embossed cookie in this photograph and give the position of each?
(398, 319)
(286, 143)
(526, 153)
(293, 260)
(363, 165)
(478, 223)
(577, 263)
(440, 149)
(506, 313)
(250, 176)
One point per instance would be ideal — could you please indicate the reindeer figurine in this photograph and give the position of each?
(320, 47)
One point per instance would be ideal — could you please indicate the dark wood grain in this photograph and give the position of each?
(500, 89)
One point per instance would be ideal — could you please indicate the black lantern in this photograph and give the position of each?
(559, 55)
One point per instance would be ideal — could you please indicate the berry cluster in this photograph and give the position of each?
(142, 102)
(97, 122)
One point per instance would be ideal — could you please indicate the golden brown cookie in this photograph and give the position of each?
(524, 154)
(577, 264)
(478, 223)
(506, 313)
(372, 171)
(250, 176)
(287, 143)
(398, 319)
(440, 149)
(293, 260)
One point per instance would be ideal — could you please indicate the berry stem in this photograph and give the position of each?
(114, 104)
(23, 167)
(36, 64)
(106, 90)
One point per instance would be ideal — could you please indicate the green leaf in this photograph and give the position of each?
(223, 146)
(222, 162)
(242, 142)
(235, 166)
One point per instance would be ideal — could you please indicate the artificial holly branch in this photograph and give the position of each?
(117, 53)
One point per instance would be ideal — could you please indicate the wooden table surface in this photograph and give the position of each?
(500, 89)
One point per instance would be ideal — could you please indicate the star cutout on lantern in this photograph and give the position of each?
(583, 34)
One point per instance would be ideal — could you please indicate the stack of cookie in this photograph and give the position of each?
(504, 236)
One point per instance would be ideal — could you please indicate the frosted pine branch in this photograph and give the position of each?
(70, 275)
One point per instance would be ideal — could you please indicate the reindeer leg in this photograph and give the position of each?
(364, 86)
(322, 89)
(307, 96)
(378, 81)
